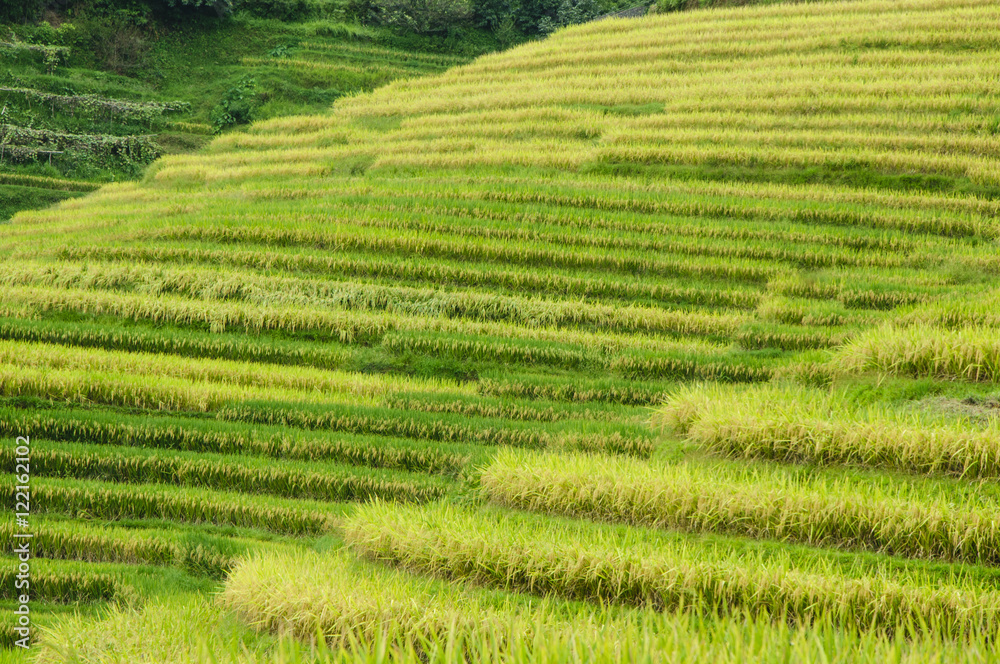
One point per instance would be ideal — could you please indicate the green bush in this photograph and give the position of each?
(237, 105)
(423, 16)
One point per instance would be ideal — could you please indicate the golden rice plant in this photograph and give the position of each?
(633, 567)
(756, 503)
(808, 425)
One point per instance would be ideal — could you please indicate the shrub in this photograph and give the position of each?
(237, 106)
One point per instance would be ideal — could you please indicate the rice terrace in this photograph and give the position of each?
(462, 333)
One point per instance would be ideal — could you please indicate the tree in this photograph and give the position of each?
(491, 14)
(20, 11)
(423, 16)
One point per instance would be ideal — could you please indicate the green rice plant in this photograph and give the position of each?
(419, 270)
(43, 182)
(574, 390)
(790, 337)
(336, 597)
(227, 372)
(198, 435)
(491, 350)
(428, 426)
(186, 628)
(188, 343)
(557, 235)
(59, 586)
(807, 425)
(76, 540)
(511, 409)
(800, 311)
(732, 368)
(113, 502)
(528, 255)
(856, 295)
(224, 285)
(312, 323)
(635, 567)
(315, 481)
(756, 503)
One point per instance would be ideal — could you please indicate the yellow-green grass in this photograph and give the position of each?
(187, 629)
(798, 424)
(270, 591)
(647, 568)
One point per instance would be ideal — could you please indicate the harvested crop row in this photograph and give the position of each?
(803, 425)
(635, 567)
(757, 504)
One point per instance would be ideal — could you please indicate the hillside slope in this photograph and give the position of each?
(428, 328)
(71, 119)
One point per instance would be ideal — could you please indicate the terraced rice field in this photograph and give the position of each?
(670, 339)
